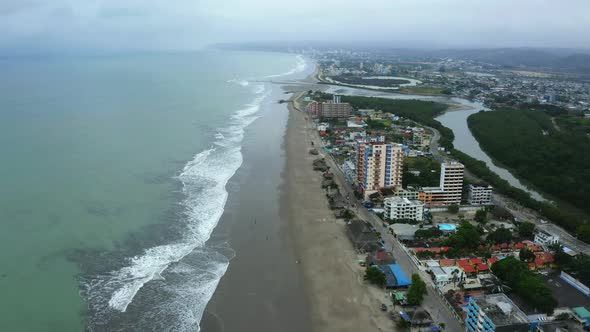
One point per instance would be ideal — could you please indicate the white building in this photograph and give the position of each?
(543, 238)
(403, 208)
(479, 194)
(349, 171)
(451, 181)
(323, 126)
(355, 124)
(445, 275)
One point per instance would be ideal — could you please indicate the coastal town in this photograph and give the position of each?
(468, 77)
(437, 245)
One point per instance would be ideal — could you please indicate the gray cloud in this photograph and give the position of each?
(190, 24)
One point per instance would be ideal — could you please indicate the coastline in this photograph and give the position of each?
(337, 296)
(261, 289)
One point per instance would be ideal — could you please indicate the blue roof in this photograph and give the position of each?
(400, 277)
(405, 316)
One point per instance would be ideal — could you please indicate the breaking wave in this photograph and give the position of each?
(187, 272)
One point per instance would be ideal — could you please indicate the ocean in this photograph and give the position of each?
(114, 176)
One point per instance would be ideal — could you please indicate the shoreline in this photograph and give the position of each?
(261, 289)
(337, 296)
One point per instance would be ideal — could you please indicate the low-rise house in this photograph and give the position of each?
(361, 235)
(543, 238)
(403, 208)
(479, 194)
(404, 232)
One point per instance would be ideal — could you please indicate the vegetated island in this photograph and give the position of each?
(551, 150)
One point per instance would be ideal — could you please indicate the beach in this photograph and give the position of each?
(261, 290)
(338, 297)
(294, 268)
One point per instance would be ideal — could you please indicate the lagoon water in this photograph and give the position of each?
(113, 177)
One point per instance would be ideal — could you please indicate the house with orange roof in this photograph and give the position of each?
(447, 262)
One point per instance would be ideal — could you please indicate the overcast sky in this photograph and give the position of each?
(190, 24)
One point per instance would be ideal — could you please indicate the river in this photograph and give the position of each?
(455, 120)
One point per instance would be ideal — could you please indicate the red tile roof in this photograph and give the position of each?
(483, 267)
(463, 262)
(475, 261)
(493, 260)
(447, 262)
(468, 268)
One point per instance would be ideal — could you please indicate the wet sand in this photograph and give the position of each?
(295, 269)
(262, 288)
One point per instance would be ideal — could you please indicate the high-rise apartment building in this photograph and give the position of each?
(451, 181)
(378, 165)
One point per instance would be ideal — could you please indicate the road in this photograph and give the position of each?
(432, 302)
(518, 211)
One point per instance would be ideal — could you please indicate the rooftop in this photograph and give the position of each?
(404, 229)
(500, 309)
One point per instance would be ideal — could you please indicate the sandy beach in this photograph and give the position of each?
(294, 269)
(338, 297)
(262, 288)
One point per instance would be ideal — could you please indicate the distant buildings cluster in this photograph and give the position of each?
(375, 166)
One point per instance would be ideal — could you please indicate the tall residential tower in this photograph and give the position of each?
(378, 165)
(451, 181)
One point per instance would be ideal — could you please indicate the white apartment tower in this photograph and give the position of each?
(451, 181)
(378, 165)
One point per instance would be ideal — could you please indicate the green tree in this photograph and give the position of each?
(467, 237)
(584, 233)
(453, 208)
(526, 229)
(529, 286)
(526, 255)
(417, 290)
(500, 235)
(375, 276)
(481, 216)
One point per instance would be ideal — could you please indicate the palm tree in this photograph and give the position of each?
(454, 274)
(495, 285)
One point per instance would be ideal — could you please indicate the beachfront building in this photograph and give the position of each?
(403, 208)
(349, 170)
(329, 110)
(495, 313)
(479, 194)
(378, 165)
(543, 238)
(451, 181)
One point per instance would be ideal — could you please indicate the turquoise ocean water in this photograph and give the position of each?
(113, 176)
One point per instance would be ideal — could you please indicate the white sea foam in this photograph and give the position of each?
(203, 179)
(243, 83)
(299, 67)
